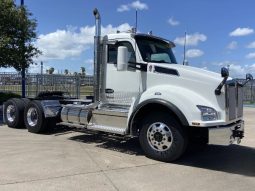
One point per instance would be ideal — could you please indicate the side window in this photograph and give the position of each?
(112, 52)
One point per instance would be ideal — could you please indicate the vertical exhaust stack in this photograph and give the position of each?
(97, 56)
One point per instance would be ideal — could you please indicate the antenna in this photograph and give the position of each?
(135, 20)
(184, 48)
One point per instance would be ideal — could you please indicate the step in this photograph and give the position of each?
(115, 130)
(113, 120)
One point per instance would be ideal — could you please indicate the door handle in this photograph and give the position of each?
(109, 91)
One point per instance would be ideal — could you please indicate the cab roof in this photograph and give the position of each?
(125, 35)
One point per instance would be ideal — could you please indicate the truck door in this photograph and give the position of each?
(121, 86)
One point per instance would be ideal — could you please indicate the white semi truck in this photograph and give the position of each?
(141, 91)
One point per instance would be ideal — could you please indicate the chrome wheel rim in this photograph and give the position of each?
(32, 116)
(10, 113)
(159, 136)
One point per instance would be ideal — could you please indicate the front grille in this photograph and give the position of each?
(234, 100)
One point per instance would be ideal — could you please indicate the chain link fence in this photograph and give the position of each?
(249, 92)
(75, 86)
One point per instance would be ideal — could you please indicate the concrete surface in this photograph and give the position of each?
(66, 159)
(1, 114)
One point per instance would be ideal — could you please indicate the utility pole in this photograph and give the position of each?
(184, 49)
(41, 68)
(23, 70)
(252, 98)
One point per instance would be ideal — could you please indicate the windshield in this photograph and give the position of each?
(155, 50)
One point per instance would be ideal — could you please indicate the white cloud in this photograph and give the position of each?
(221, 64)
(173, 22)
(71, 42)
(134, 5)
(33, 68)
(193, 53)
(191, 39)
(123, 8)
(236, 70)
(251, 55)
(89, 66)
(241, 32)
(139, 5)
(239, 71)
(232, 45)
(251, 45)
(36, 68)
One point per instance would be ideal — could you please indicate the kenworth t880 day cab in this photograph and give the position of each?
(140, 91)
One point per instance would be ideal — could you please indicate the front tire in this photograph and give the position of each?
(162, 137)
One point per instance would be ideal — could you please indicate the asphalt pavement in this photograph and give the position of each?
(70, 159)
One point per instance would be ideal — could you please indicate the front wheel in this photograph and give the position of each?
(162, 137)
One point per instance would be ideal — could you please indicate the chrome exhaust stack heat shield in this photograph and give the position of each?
(97, 57)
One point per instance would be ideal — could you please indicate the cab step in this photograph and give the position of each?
(114, 130)
(112, 119)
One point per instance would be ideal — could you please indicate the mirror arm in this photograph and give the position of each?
(246, 82)
(138, 66)
(249, 77)
(218, 89)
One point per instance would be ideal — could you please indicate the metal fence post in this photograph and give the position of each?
(78, 85)
(37, 84)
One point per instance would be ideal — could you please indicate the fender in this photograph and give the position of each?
(161, 102)
(51, 108)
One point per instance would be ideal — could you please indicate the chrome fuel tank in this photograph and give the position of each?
(77, 114)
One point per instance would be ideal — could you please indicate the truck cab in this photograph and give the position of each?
(141, 91)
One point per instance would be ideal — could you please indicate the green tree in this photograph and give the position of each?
(66, 72)
(17, 36)
(51, 70)
(83, 71)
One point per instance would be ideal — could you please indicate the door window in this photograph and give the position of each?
(113, 49)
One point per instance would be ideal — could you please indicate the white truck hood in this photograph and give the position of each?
(192, 72)
(186, 79)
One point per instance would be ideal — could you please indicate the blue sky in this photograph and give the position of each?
(220, 32)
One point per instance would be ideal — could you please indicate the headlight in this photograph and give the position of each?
(207, 113)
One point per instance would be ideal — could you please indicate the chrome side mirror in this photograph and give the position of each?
(224, 72)
(122, 58)
(249, 77)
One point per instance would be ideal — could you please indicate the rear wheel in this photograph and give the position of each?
(34, 118)
(162, 137)
(13, 113)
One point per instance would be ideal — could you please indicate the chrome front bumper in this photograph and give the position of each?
(226, 135)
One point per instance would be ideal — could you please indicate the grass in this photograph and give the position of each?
(4, 96)
(249, 102)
